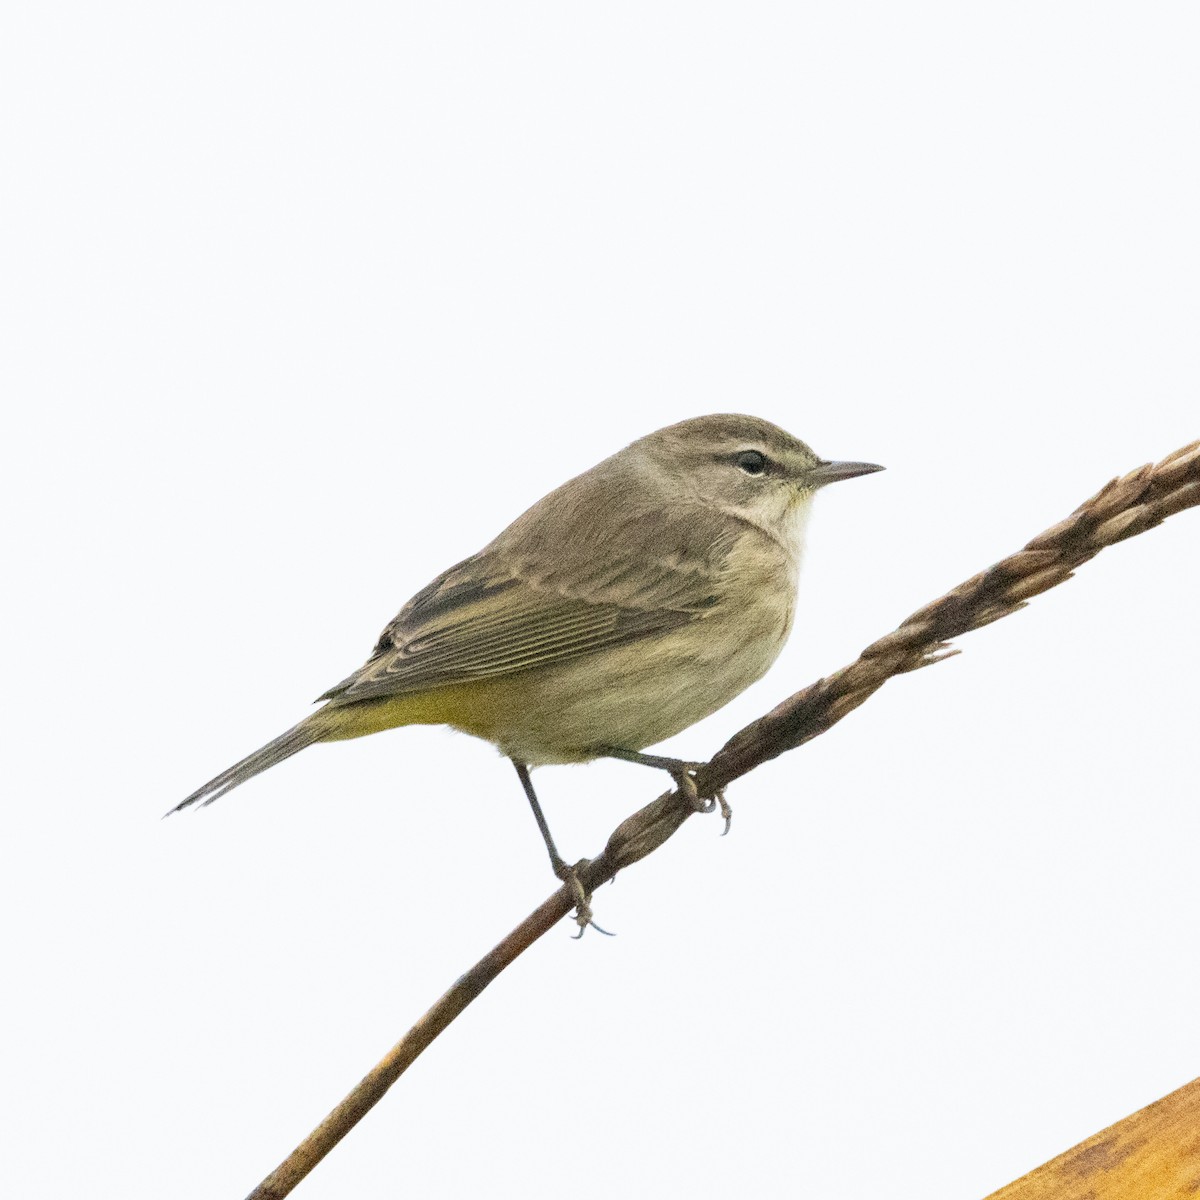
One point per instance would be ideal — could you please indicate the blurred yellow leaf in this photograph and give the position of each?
(1152, 1155)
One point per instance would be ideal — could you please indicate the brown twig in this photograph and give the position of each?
(1125, 507)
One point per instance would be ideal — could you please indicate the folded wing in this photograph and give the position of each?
(514, 607)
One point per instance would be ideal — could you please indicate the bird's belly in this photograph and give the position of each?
(629, 697)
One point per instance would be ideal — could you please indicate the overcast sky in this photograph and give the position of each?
(301, 304)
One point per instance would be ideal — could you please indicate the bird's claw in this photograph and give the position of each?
(726, 811)
(583, 908)
(685, 781)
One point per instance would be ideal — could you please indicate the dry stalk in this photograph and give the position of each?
(1127, 506)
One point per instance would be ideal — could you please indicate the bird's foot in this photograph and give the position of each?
(583, 908)
(685, 781)
(683, 773)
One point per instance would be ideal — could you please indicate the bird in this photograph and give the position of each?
(624, 606)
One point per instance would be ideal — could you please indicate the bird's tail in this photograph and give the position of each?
(310, 730)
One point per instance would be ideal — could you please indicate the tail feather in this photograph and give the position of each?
(284, 746)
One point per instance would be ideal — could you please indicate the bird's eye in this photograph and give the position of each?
(751, 461)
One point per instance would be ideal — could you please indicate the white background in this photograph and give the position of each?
(302, 303)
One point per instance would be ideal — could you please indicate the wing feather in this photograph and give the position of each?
(556, 584)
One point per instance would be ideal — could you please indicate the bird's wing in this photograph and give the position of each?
(512, 607)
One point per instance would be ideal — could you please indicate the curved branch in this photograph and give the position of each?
(1127, 506)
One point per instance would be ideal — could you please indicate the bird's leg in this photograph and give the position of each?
(557, 863)
(568, 874)
(684, 774)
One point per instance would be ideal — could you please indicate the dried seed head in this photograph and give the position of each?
(1067, 529)
(1122, 525)
(1039, 582)
(903, 640)
(1181, 498)
(1190, 453)
(1120, 494)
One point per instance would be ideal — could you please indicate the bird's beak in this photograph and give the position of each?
(831, 472)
